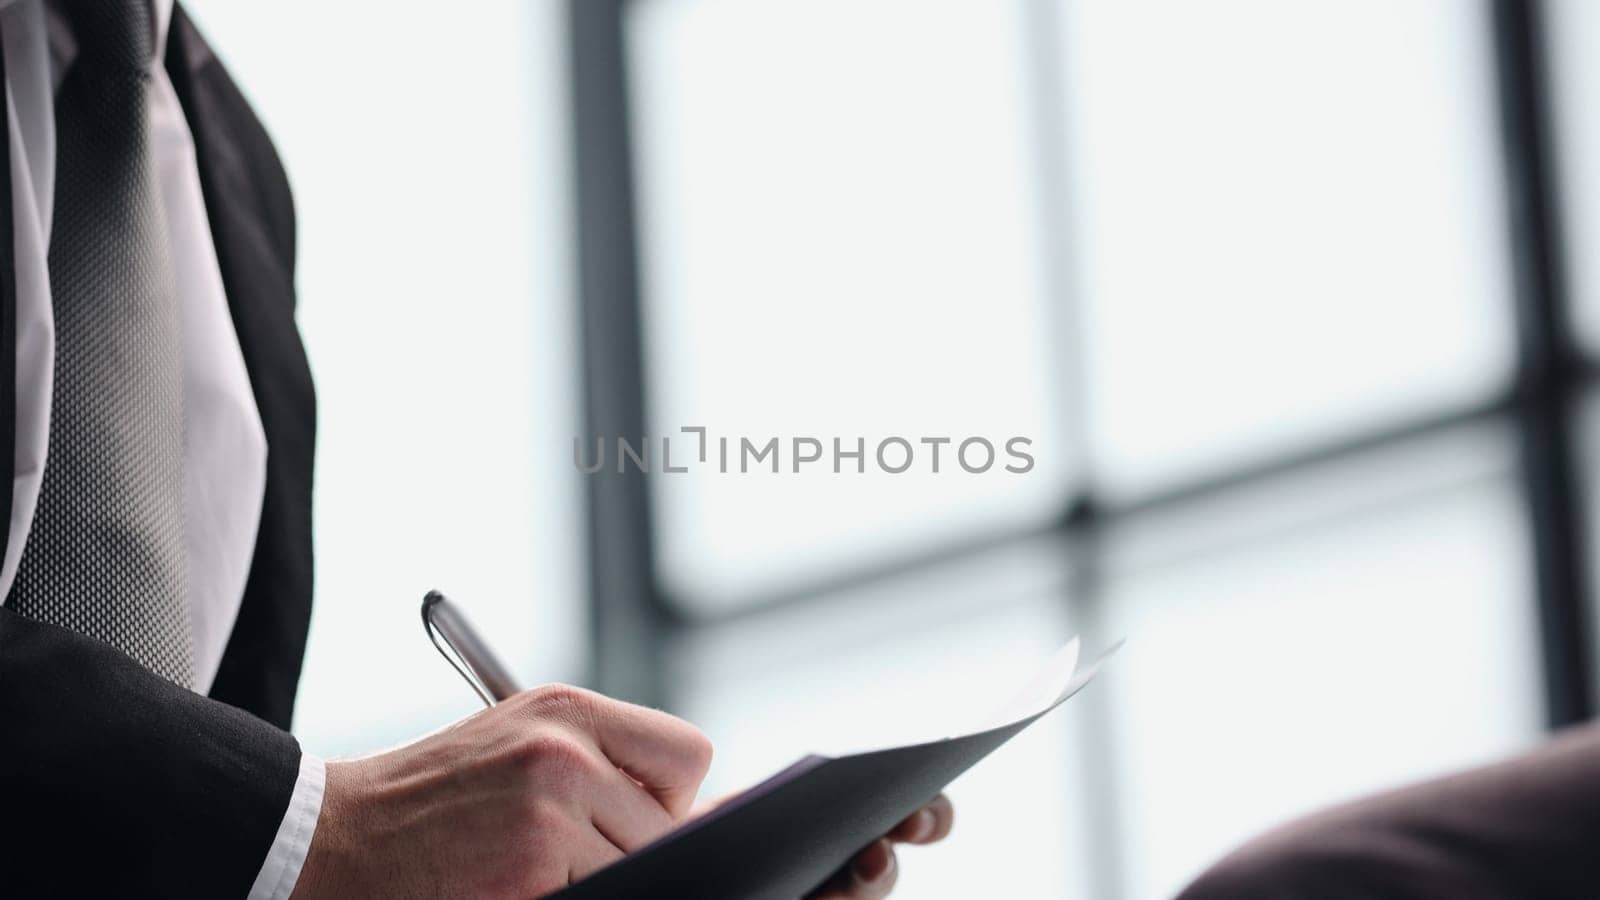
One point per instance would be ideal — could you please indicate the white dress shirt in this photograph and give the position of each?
(225, 449)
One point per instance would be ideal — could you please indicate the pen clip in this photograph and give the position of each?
(448, 650)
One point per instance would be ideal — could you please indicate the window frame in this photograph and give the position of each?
(631, 616)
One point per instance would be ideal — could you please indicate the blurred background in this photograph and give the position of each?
(1296, 300)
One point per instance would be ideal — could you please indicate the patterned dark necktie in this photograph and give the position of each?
(106, 554)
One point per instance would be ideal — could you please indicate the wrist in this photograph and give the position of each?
(330, 859)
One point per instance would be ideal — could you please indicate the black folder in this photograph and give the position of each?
(783, 838)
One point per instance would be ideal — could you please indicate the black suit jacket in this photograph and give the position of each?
(113, 782)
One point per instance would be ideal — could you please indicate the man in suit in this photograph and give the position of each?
(157, 427)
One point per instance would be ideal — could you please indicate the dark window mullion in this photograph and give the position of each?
(1547, 376)
(628, 626)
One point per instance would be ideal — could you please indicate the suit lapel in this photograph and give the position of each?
(251, 215)
(241, 213)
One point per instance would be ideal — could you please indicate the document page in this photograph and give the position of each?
(786, 835)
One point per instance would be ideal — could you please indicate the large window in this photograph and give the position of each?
(1274, 288)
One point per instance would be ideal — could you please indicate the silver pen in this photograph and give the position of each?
(465, 650)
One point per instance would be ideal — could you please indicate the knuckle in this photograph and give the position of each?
(551, 753)
(544, 822)
(558, 698)
(698, 748)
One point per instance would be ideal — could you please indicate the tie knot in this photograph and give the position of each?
(116, 33)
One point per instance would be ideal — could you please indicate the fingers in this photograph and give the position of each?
(709, 805)
(665, 754)
(928, 824)
(560, 850)
(873, 872)
(590, 852)
(870, 876)
(625, 813)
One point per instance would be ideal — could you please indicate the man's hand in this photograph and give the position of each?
(873, 872)
(516, 801)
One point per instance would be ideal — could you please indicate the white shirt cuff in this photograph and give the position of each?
(281, 869)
